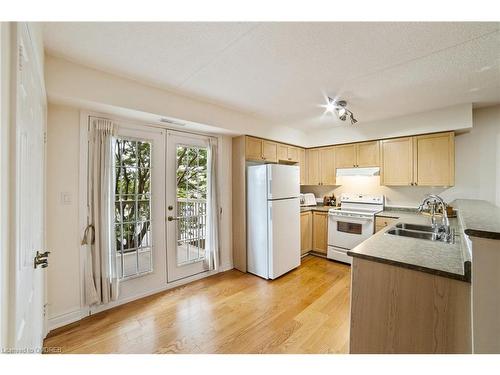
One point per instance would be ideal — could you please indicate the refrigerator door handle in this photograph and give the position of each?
(269, 188)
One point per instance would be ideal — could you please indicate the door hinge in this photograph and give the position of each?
(45, 137)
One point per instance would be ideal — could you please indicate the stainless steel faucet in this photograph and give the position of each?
(433, 201)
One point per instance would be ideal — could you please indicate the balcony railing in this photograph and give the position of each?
(191, 229)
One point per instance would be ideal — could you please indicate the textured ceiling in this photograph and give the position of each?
(282, 71)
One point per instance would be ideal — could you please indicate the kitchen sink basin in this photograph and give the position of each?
(421, 228)
(432, 236)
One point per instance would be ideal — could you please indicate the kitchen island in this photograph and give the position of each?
(410, 295)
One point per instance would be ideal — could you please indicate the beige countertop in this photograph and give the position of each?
(479, 218)
(448, 260)
(315, 208)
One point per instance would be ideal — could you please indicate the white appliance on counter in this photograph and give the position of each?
(351, 223)
(308, 199)
(273, 219)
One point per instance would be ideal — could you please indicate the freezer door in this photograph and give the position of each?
(283, 181)
(284, 236)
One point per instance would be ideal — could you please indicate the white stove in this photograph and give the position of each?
(351, 223)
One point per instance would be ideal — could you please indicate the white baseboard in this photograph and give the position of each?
(226, 267)
(67, 318)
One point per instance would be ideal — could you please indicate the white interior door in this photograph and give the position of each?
(188, 179)
(139, 230)
(29, 282)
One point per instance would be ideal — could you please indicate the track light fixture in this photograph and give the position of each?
(342, 112)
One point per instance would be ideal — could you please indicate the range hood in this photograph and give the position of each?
(373, 171)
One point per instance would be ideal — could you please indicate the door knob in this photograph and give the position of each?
(172, 218)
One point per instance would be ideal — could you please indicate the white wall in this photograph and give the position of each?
(477, 169)
(63, 220)
(457, 117)
(87, 88)
(477, 162)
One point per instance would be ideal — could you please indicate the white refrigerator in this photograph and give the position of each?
(273, 219)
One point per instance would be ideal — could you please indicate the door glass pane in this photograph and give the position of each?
(133, 207)
(192, 179)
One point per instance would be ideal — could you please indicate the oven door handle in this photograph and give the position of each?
(349, 218)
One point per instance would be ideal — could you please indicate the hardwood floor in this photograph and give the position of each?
(304, 311)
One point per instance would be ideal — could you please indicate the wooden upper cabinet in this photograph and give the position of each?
(345, 156)
(282, 152)
(397, 162)
(261, 150)
(288, 154)
(313, 171)
(253, 148)
(321, 166)
(327, 166)
(302, 166)
(269, 151)
(434, 159)
(293, 154)
(367, 154)
(423, 160)
(320, 232)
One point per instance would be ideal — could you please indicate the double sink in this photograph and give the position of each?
(424, 232)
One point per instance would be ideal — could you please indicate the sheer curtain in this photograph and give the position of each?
(101, 279)
(212, 256)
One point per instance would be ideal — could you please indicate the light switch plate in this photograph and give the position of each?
(66, 198)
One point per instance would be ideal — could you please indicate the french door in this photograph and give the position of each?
(161, 226)
(188, 205)
(139, 207)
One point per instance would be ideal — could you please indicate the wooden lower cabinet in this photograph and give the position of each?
(320, 232)
(383, 222)
(400, 310)
(306, 225)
